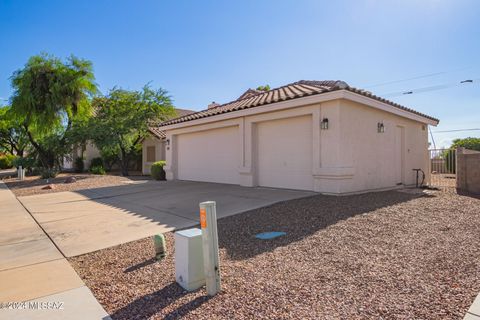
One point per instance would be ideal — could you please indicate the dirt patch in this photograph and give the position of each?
(34, 185)
(379, 255)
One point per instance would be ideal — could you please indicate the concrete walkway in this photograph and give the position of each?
(474, 311)
(88, 220)
(33, 271)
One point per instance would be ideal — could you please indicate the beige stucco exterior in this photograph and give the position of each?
(87, 152)
(159, 146)
(282, 145)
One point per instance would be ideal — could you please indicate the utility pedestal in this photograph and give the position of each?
(189, 269)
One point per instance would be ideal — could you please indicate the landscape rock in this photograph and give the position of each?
(381, 255)
(49, 187)
(71, 179)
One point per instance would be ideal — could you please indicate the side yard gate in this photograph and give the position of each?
(443, 168)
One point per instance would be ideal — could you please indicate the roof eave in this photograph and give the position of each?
(307, 100)
(375, 103)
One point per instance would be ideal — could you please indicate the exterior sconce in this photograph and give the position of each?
(324, 124)
(380, 127)
(167, 142)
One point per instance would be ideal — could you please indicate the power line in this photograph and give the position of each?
(428, 75)
(458, 130)
(430, 88)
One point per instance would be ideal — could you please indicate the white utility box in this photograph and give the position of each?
(189, 270)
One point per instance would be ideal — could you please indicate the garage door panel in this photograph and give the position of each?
(284, 153)
(211, 155)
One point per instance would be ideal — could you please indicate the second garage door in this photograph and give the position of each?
(284, 153)
(211, 156)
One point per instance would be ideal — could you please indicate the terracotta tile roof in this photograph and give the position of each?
(249, 93)
(155, 129)
(298, 89)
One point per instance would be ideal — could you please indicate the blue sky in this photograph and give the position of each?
(203, 51)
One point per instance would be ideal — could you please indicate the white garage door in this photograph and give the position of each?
(211, 156)
(284, 153)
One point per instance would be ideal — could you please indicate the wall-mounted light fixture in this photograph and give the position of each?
(380, 127)
(167, 142)
(324, 124)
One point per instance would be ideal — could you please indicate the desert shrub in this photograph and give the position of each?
(157, 171)
(47, 173)
(97, 170)
(6, 161)
(96, 162)
(79, 165)
(27, 163)
(110, 158)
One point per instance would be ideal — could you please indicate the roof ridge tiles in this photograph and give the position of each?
(289, 91)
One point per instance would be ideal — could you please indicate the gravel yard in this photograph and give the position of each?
(33, 184)
(390, 255)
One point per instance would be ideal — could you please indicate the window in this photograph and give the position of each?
(151, 154)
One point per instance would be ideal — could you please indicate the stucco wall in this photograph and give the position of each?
(91, 152)
(468, 170)
(350, 156)
(377, 159)
(159, 152)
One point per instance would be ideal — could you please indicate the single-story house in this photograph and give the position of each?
(153, 146)
(323, 136)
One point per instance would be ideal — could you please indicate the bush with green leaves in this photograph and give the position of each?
(97, 170)
(24, 162)
(47, 173)
(6, 161)
(468, 143)
(95, 162)
(450, 155)
(79, 166)
(157, 171)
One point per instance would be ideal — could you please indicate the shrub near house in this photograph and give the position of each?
(6, 161)
(157, 171)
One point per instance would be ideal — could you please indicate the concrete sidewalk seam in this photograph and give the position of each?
(39, 225)
(31, 264)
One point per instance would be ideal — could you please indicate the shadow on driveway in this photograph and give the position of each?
(87, 220)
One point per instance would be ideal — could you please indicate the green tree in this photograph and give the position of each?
(468, 143)
(49, 96)
(264, 88)
(122, 118)
(13, 138)
(451, 154)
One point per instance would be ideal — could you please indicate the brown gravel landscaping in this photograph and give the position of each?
(387, 255)
(33, 184)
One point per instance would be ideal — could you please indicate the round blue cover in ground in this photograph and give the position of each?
(270, 235)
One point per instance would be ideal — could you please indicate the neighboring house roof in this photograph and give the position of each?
(250, 93)
(295, 90)
(154, 129)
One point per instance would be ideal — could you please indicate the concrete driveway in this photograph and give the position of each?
(88, 220)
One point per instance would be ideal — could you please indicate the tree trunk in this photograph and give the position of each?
(47, 159)
(124, 162)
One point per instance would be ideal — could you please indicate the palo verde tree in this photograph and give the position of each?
(122, 117)
(49, 96)
(13, 138)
